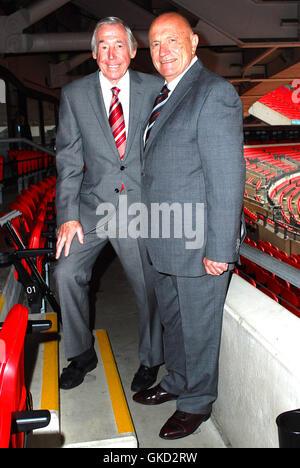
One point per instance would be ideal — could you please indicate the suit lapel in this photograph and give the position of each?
(175, 100)
(135, 107)
(97, 103)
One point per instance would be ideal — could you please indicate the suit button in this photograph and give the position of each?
(117, 190)
(143, 174)
(122, 168)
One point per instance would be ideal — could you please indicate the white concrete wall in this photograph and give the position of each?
(259, 367)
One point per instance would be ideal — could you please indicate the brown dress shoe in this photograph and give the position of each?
(153, 396)
(182, 424)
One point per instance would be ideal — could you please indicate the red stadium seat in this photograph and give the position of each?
(289, 296)
(16, 415)
(291, 308)
(262, 275)
(249, 266)
(12, 385)
(274, 285)
(268, 293)
(245, 277)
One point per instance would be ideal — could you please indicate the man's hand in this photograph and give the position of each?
(66, 232)
(214, 268)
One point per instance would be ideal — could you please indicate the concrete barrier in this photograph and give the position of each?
(259, 367)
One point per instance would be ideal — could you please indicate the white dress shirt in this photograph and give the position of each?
(172, 85)
(124, 86)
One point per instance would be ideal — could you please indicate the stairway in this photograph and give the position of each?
(92, 415)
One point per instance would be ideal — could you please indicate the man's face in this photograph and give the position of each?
(172, 45)
(113, 51)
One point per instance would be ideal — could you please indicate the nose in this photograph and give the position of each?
(163, 50)
(111, 53)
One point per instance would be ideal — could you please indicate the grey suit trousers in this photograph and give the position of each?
(191, 313)
(73, 274)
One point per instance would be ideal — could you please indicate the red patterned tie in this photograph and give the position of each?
(116, 120)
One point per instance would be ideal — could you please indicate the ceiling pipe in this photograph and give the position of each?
(11, 27)
(55, 42)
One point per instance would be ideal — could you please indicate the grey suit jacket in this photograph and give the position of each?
(88, 163)
(194, 155)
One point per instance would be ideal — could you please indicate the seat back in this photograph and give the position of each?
(12, 384)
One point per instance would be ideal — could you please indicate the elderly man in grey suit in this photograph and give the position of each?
(98, 163)
(193, 158)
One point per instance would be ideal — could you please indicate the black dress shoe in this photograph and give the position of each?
(144, 378)
(182, 424)
(74, 374)
(154, 396)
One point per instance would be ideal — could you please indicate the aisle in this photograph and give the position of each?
(116, 312)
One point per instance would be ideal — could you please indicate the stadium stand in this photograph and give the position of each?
(271, 201)
(273, 184)
(30, 236)
(279, 107)
(278, 289)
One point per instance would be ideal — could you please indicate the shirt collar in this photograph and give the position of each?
(172, 84)
(106, 84)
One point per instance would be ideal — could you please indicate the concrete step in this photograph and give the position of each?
(41, 374)
(94, 414)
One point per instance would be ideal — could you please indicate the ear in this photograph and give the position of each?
(94, 55)
(133, 53)
(195, 41)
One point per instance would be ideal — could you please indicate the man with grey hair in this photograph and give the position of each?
(98, 164)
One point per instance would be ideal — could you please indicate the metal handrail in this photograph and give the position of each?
(28, 142)
(274, 265)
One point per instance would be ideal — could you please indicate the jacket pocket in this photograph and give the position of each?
(86, 188)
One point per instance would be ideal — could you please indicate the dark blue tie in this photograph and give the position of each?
(157, 107)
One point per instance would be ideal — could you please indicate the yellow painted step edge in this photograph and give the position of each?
(50, 392)
(2, 301)
(119, 404)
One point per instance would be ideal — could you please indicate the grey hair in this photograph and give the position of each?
(113, 20)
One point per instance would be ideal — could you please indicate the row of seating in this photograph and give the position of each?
(282, 100)
(274, 251)
(28, 232)
(28, 161)
(30, 238)
(17, 416)
(278, 289)
(27, 166)
(280, 157)
(286, 194)
(270, 286)
(273, 180)
(32, 202)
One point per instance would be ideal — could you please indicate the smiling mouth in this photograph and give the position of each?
(167, 61)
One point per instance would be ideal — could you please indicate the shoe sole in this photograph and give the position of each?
(155, 403)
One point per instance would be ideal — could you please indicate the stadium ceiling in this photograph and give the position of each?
(253, 43)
